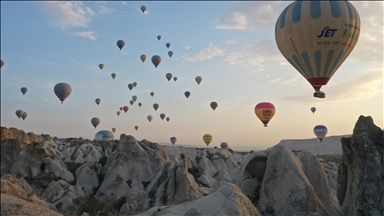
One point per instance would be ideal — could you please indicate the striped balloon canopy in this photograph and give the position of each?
(316, 37)
(207, 138)
(265, 111)
(320, 131)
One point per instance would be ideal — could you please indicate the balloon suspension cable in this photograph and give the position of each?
(319, 94)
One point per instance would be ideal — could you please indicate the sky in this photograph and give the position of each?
(230, 44)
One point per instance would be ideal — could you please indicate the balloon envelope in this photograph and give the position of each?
(125, 108)
(224, 145)
(168, 76)
(24, 90)
(207, 138)
(168, 119)
(162, 116)
(131, 102)
(316, 37)
(265, 111)
(198, 79)
(167, 45)
(143, 8)
(2, 64)
(320, 131)
(175, 78)
(143, 58)
(139, 104)
(134, 84)
(173, 140)
(136, 127)
(156, 106)
(149, 117)
(101, 66)
(187, 94)
(19, 113)
(213, 105)
(97, 100)
(95, 121)
(156, 60)
(24, 116)
(120, 44)
(113, 75)
(313, 109)
(118, 113)
(134, 97)
(152, 93)
(113, 130)
(121, 108)
(62, 91)
(130, 86)
(170, 53)
(104, 135)
(158, 37)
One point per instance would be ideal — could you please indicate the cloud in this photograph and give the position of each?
(205, 54)
(293, 81)
(231, 42)
(187, 47)
(105, 10)
(87, 34)
(68, 14)
(47, 100)
(233, 21)
(91, 85)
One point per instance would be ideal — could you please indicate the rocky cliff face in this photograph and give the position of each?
(361, 174)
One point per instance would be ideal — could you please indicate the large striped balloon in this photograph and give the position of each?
(320, 131)
(207, 138)
(316, 37)
(265, 111)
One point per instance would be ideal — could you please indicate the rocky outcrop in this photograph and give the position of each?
(361, 180)
(16, 134)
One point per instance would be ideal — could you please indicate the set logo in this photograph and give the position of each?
(327, 32)
(267, 112)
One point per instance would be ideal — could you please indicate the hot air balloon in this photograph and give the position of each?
(207, 138)
(131, 102)
(24, 116)
(62, 91)
(167, 119)
(316, 37)
(187, 94)
(149, 117)
(143, 8)
(125, 108)
(143, 58)
(134, 84)
(120, 44)
(121, 108)
(24, 90)
(134, 98)
(162, 116)
(1, 64)
(104, 135)
(320, 131)
(198, 79)
(113, 75)
(155, 106)
(130, 86)
(167, 45)
(95, 121)
(313, 109)
(168, 76)
(19, 113)
(213, 105)
(139, 104)
(173, 140)
(265, 111)
(224, 145)
(118, 113)
(175, 78)
(101, 66)
(136, 127)
(170, 53)
(152, 93)
(156, 60)
(158, 37)
(113, 130)
(97, 100)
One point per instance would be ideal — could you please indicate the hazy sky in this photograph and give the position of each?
(230, 44)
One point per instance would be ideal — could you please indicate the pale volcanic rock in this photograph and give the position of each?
(87, 177)
(16, 134)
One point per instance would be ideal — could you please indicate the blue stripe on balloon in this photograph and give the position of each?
(350, 10)
(296, 12)
(328, 61)
(302, 71)
(334, 64)
(315, 9)
(335, 9)
(308, 63)
(291, 62)
(283, 16)
(318, 62)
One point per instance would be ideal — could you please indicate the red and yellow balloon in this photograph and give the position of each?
(265, 112)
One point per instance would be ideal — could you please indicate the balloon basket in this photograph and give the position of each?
(319, 94)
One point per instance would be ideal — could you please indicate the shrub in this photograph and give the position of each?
(108, 206)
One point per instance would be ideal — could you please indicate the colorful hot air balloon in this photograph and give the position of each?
(155, 106)
(173, 140)
(156, 60)
(158, 37)
(167, 119)
(265, 111)
(136, 127)
(170, 53)
(113, 75)
(149, 117)
(131, 102)
(214, 105)
(167, 45)
(168, 76)
(207, 138)
(130, 86)
(125, 108)
(24, 90)
(19, 113)
(224, 145)
(320, 131)
(101, 66)
(143, 58)
(62, 91)
(139, 104)
(97, 100)
(175, 78)
(162, 116)
(143, 8)
(118, 113)
(198, 79)
(120, 44)
(316, 37)
(95, 121)
(134, 98)
(113, 130)
(134, 84)
(24, 116)
(187, 94)
(152, 93)
(313, 109)
(2, 63)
